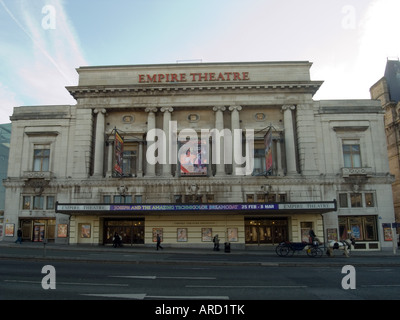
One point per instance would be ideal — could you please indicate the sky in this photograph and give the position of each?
(42, 42)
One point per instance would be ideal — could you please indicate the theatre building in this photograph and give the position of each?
(189, 151)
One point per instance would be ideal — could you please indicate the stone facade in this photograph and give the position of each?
(330, 170)
(390, 103)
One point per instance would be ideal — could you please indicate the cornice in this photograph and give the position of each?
(228, 181)
(309, 87)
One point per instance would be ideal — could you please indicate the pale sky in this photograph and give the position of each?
(42, 42)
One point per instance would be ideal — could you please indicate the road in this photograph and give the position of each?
(22, 280)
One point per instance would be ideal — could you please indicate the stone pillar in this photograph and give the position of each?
(236, 137)
(140, 160)
(100, 141)
(219, 125)
(289, 140)
(151, 124)
(166, 122)
(279, 170)
(110, 157)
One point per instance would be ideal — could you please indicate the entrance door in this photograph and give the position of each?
(131, 231)
(38, 232)
(266, 230)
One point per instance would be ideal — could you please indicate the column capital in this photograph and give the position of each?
(219, 108)
(150, 110)
(101, 110)
(288, 107)
(237, 108)
(167, 109)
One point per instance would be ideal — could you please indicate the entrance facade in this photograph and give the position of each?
(131, 231)
(37, 230)
(266, 230)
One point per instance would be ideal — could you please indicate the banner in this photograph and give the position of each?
(268, 151)
(118, 153)
(193, 158)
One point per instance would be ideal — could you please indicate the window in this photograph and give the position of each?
(261, 197)
(259, 162)
(193, 198)
(355, 200)
(210, 198)
(26, 203)
(343, 201)
(129, 163)
(250, 198)
(362, 228)
(38, 202)
(107, 199)
(49, 202)
(178, 198)
(138, 199)
(41, 157)
(351, 155)
(369, 200)
(122, 199)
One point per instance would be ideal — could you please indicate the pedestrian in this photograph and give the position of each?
(117, 240)
(19, 236)
(311, 235)
(159, 242)
(216, 243)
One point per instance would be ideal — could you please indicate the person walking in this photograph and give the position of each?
(19, 236)
(159, 242)
(216, 243)
(117, 240)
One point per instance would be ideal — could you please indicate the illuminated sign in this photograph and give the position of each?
(324, 206)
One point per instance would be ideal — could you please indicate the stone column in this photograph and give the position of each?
(151, 124)
(100, 141)
(236, 137)
(279, 171)
(140, 160)
(219, 125)
(289, 139)
(110, 157)
(166, 122)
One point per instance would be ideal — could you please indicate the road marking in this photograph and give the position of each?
(142, 296)
(381, 285)
(253, 287)
(74, 283)
(156, 277)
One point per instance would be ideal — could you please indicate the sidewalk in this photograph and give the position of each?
(256, 256)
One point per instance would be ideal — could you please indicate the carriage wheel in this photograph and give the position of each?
(314, 252)
(282, 250)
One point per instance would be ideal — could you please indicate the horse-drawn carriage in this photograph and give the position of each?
(287, 248)
(313, 249)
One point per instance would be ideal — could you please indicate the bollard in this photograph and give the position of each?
(227, 247)
(44, 247)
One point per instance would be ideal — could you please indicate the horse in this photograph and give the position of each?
(340, 245)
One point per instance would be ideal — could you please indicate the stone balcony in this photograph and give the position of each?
(46, 175)
(348, 172)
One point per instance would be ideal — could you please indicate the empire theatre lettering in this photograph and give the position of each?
(193, 77)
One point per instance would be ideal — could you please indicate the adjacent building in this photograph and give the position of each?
(189, 151)
(387, 91)
(5, 134)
